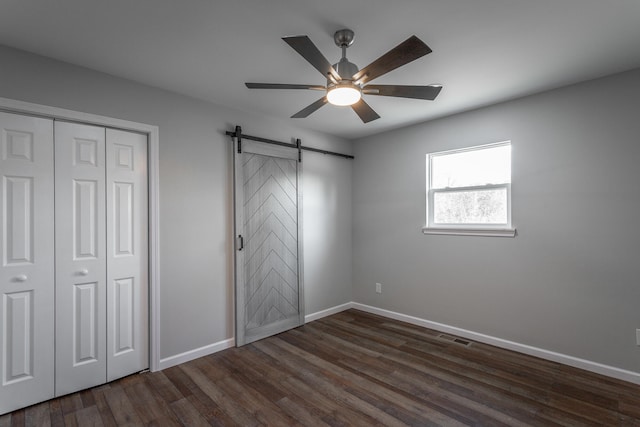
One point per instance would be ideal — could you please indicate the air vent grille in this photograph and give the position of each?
(453, 339)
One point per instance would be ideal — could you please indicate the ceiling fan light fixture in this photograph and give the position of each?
(344, 94)
(346, 83)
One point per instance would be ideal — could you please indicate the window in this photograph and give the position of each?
(469, 191)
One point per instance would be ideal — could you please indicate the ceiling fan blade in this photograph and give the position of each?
(310, 109)
(283, 86)
(407, 51)
(364, 111)
(305, 47)
(416, 92)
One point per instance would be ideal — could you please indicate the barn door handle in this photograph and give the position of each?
(241, 242)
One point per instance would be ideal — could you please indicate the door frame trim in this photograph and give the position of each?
(153, 163)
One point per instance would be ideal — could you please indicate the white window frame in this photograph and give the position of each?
(496, 230)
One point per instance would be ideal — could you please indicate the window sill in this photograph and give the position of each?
(487, 232)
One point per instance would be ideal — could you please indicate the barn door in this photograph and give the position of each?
(26, 261)
(269, 297)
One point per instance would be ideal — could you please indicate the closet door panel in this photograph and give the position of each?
(26, 261)
(80, 257)
(127, 275)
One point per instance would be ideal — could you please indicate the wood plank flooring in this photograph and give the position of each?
(350, 369)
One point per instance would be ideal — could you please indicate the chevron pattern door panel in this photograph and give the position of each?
(269, 294)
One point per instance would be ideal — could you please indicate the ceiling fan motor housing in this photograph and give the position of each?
(345, 69)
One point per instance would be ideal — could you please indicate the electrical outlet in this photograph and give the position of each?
(378, 288)
(637, 336)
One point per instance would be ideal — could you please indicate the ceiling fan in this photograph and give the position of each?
(346, 83)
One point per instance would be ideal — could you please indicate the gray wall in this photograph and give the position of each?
(570, 281)
(196, 192)
(567, 283)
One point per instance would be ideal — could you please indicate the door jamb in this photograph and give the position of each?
(153, 157)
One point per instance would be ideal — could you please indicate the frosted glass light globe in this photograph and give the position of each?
(344, 95)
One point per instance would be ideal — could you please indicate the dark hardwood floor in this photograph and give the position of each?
(351, 368)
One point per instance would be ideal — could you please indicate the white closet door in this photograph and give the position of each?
(27, 261)
(127, 267)
(80, 257)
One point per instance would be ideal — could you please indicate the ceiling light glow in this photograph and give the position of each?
(344, 94)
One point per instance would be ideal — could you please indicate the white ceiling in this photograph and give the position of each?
(484, 51)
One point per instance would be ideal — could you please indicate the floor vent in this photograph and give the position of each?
(454, 339)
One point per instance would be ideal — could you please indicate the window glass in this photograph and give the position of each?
(481, 166)
(470, 188)
(471, 207)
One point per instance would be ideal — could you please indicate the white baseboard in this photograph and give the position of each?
(587, 365)
(222, 345)
(328, 312)
(187, 356)
(196, 353)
